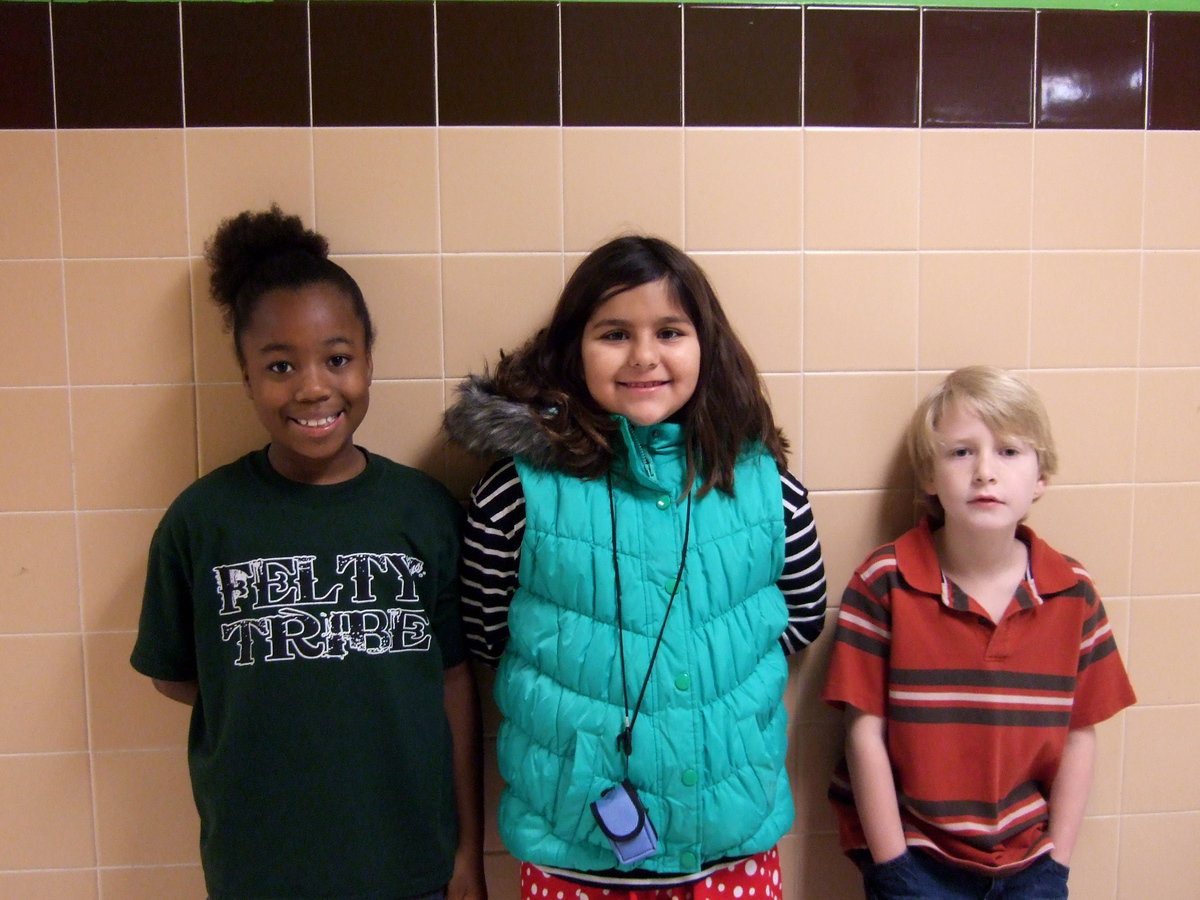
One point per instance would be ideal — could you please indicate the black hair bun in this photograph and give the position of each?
(241, 245)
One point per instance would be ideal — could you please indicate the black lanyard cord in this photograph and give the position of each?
(625, 738)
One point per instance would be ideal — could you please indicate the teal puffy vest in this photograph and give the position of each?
(710, 740)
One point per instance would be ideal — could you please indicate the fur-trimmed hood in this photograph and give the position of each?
(486, 423)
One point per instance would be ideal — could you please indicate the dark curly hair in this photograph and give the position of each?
(728, 410)
(256, 252)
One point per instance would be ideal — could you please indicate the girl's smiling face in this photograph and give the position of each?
(641, 354)
(308, 372)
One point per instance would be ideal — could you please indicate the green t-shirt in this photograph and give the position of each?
(317, 620)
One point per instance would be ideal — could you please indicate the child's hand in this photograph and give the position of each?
(467, 881)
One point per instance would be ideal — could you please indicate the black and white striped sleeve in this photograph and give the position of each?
(491, 550)
(803, 578)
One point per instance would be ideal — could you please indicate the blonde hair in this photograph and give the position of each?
(1007, 405)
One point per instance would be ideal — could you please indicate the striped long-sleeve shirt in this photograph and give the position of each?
(492, 547)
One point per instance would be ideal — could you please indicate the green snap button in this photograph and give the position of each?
(670, 584)
(688, 861)
(689, 777)
(683, 682)
(663, 502)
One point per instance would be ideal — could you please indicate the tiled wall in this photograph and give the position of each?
(879, 195)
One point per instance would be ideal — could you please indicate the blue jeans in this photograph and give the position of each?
(917, 876)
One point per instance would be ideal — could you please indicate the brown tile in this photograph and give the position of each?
(122, 192)
(116, 65)
(144, 809)
(245, 64)
(124, 709)
(621, 64)
(372, 63)
(112, 564)
(729, 205)
(813, 865)
(226, 425)
(35, 459)
(1091, 69)
(376, 189)
(978, 67)
(50, 796)
(742, 65)
(1174, 76)
(113, 429)
(497, 63)
(41, 593)
(31, 305)
(107, 300)
(78, 884)
(621, 180)
(26, 69)
(861, 67)
(153, 882)
(43, 691)
(29, 223)
(860, 311)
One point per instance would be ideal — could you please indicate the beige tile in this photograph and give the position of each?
(974, 309)
(122, 193)
(861, 189)
(815, 746)
(806, 678)
(234, 169)
(860, 311)
(28, 195)
(493, 303)
(405, 424)
(1166, 520)
(50, 796)
(867, 413)
(216, 360)
(35, 459)
(503, 875)
(501, 188)
(1171, 309)
(493, 787)
(1094, 441)
(377, 189)
(78, 884)
(1161, 746)
(814, 868)
(1162, 660)
(1158, 854)
(112, 558)
(462, 469)
(621, 181)
(1093, 524)
(852, 524)
(124, 709)
(1168, 426)
(227, 425)
(41, 582)
(760, 293)
(1094, 863)
(135, 447)
(110, 300)
(785, 393)
(1085, 309)
(31, 306)
(1172, 189)
(153, 882)
(729, 205)
(1104, 799)
(975, 189)
(145, 815)
(1087, 189)
(404, 294)
(42, 689)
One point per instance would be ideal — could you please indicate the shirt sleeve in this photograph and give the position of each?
(858, 665)
(1102, 687)
(803, 579)
(165, 647)
(491, 553)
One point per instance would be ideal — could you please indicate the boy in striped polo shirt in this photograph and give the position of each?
(972, 661)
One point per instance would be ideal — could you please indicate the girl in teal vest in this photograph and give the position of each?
(638, 563)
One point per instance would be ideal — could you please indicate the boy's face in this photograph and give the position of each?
(985, 483)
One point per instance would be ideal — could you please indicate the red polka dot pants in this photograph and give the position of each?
(753, 878)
